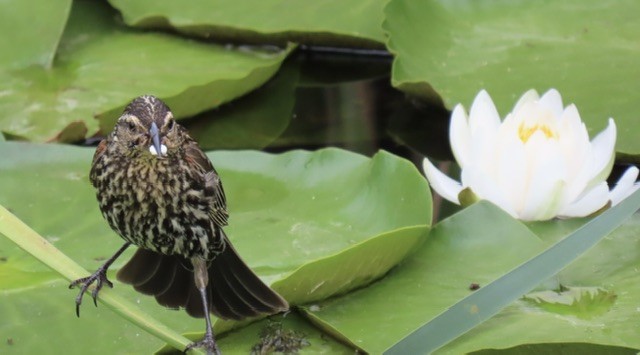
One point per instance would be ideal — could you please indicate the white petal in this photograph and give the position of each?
(512, 170)
(625, 186)
(576, 149)
(590, 202)
(460, 136)
(484, 142)
(603, 153)
(483, 185)
(571, 126)
(529, 96)
(545, 201)
(547, 171)
(441, 183)
(483, 113)
(552, 101)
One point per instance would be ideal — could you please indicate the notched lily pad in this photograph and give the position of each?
(299, 217)
(23, 43)
(581, 302)
(459, 250)
(328, 22)
(101, 66)
(457, 48)
(602, 315)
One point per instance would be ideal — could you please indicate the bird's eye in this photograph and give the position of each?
(131, 125)
(171, 124)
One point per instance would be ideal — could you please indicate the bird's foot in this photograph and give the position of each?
(99, 277)
(208, 343)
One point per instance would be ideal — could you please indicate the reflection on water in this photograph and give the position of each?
(321, 99)
(347, 101)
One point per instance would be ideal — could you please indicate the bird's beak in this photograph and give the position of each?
(156, 148)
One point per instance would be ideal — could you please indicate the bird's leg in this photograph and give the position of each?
(100, 277)
(201, 277)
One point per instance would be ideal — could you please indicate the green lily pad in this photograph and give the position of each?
(101, 65)
(587, 51)
(366, 261)
(28, 315)
(461, 251)
(40, 319)
(290, 214)
(275, 21)
(24, 43)
(609, 319)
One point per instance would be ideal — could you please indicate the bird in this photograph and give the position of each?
(157, 190)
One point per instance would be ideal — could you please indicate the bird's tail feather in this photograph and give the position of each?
(235, 292)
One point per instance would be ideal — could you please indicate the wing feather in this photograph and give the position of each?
(212, 183)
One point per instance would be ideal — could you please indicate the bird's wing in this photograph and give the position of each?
(102, 147)
(219, 209)
(212, 184)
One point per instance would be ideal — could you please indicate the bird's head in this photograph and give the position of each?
(147, 129)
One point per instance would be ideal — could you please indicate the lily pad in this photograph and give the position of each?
(366, 261)
(101, 65)
(40, 319)
(461, 251)
(24, 44)
(275, 21)
(289, 212)
(612, 318)
(587, 51)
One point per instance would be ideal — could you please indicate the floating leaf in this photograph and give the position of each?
(25, 44)
(612, 266)
(366, 262)
(327, 22)
(100, 66)
(460, 251)
(587, 51)
(287, 211)
(27, 239)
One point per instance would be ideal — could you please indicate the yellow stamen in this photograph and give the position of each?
(526, 132)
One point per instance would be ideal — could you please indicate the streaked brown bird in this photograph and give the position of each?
(159, 191)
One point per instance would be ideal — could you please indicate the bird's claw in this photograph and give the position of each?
(100, 278)
(207, 343)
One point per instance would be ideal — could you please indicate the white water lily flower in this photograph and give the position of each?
(537, 164)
